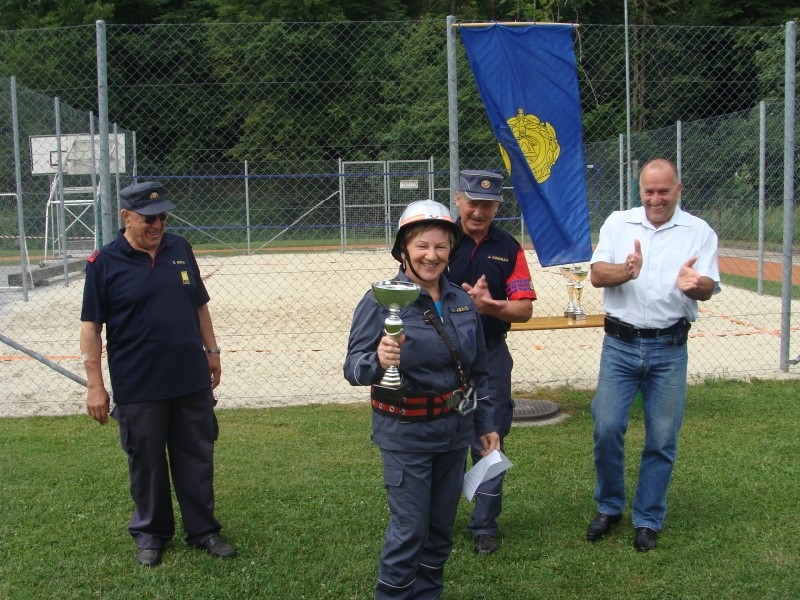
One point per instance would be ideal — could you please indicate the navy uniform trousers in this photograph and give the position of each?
(186, 428)
(489, 495)
(423, 490)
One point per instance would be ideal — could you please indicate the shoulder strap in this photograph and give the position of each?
(434, 320)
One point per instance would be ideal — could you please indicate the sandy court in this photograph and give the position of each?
(283, 321)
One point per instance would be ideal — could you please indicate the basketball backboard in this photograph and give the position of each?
(76, 154)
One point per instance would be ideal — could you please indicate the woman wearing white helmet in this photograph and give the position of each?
(423, 431)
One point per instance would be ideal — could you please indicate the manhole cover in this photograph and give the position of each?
(531, 410)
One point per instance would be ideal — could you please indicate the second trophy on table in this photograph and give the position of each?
(575, 277)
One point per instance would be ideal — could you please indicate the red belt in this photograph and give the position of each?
(423, 408)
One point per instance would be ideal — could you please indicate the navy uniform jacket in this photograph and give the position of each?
(426, 366)
(500, 257)
(155, 350)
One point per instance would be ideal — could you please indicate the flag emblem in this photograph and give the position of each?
(538, 143)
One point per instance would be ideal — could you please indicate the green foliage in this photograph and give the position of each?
(52, 13)
(299, 492)
(243, 11)
(743, 12)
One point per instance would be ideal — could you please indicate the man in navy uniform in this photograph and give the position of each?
(164, 362)
(490, 264)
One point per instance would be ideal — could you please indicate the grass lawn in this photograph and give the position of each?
(770, 288)
(299, 492)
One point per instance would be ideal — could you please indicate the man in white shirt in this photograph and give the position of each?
(654, 262)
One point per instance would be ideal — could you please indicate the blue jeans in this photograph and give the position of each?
(658, 368)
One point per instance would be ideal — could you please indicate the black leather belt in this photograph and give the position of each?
(624, 331)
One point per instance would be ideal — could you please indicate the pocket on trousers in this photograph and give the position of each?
(392, 477)
(216, 425)
(122, 419)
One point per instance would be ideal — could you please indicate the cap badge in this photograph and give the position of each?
(153, 195)
(485, 184)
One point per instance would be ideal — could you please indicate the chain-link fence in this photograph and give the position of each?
(290, 148)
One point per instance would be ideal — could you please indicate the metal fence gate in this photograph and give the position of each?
(373, 194)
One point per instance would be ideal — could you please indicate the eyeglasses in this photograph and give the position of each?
(150, 219)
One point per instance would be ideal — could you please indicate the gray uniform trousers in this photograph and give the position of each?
(186, 428)
(423, 491)
(489, 495)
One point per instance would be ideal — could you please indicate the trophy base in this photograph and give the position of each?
(579, 316)
(384, 393)
(569, 315)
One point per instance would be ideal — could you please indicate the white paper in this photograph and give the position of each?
(489, 466)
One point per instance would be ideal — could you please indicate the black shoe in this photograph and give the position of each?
(600, 526)
(149, 557)
(485, 544)
(217, 547)
(645, 539)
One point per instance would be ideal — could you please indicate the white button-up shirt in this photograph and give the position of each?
(653, 300)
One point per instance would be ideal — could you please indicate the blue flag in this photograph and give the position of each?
(528, 81)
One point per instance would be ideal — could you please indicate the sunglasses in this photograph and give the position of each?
(150, 219)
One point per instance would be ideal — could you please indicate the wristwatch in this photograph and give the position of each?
(213, 351)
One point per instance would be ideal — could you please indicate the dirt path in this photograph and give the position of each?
(773, 271)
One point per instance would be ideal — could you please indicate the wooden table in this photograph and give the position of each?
(542, 323)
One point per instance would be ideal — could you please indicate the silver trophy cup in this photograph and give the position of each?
(578, 275)
(395, 296)
(566, 272)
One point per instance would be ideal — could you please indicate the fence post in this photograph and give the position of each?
(628, 102)
(23, 244)
(762, 189)
(679, 148)
(62, 217)
(135, 167)
(95, 196)
(788, 190)
(622, 203)
(247, 202)
(102, 105)
(452, 108)
(116, 165)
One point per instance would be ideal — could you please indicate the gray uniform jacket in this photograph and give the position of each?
(427, 367)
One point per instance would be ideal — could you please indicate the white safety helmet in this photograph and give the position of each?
(424, 211)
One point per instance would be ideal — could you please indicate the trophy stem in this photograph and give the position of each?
(570, 311)
(391, 378)
(393, 327)
(580, 314)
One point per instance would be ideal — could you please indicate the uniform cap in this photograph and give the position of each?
(481, 185)
(146, 198)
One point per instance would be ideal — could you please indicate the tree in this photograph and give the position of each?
(52, 13)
